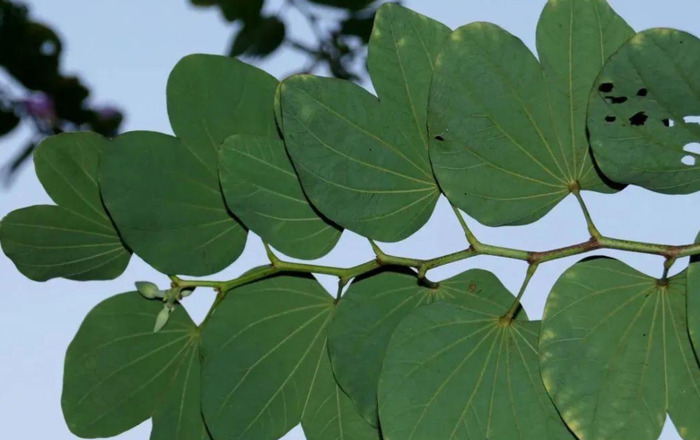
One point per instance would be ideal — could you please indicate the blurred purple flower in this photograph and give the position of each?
(41, 106)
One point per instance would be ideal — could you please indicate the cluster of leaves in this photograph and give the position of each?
(30, 52)
(338, 46)
(471, 114)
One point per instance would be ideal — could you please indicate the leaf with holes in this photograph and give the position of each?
(329, 414)
(644, 113)
(615, 354)
(75, 239)
(164, 192)
(259, 353)
(119, 373)
(263, 190)
(370, 311)
(364, 162)
(463, 372)
(508, 136)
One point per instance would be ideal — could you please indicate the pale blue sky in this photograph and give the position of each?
(125, 50)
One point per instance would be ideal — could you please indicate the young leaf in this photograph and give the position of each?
(262, 188)
(168, 205)
(462, 372)
(615, 354)
(368, 315)
(118, 373)
(508, 132)
(363, 161)
(259, 353)
(643, 113)
(329, 413)
(75, 239)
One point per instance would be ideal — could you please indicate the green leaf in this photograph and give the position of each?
(263, 190)
(693, 300)
(75, 239)
(463, 372)
(259, 353)
(370, 311)
(259, 37)
(212, 97)
(615, 353)
(246, 10)
(639, 109)
(164, 192)
(329, 414)
(362, 161)
(168, 205)
(508, 132)
(118, 373)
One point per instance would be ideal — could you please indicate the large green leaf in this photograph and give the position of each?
(370, 311)
(168, 206)
(164, 192)
(329, 414)
(75, 239)
(615, 354)
(118, 372)
(693, 300)
(262, 188)
(463, 372)
(260, 350)
(639, 109)
(364, 162)
(508, 136)
(213, 97)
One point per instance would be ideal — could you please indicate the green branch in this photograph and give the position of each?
(382, 259)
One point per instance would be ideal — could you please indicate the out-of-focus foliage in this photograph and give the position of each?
(340, 35)
(42, 95)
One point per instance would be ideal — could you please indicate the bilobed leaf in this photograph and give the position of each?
(508, 132)
(75, 239)
(260, 351)
(168, 205)
(364, 162)
(368, 314)
(262, 188)
(643, 113)
(329, 414)
(461, 372)
(119, 373)
(164, 192)
(615, 354)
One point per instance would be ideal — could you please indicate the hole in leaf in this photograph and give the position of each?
(692, 119)
(606, 87)
(610, 118)
(642, 92)
(693, 147)
(639, 118)
(439, 138)
(688, 160)
(616, 99)
(667, 122)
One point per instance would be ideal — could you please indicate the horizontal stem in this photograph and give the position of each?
(532, 257)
